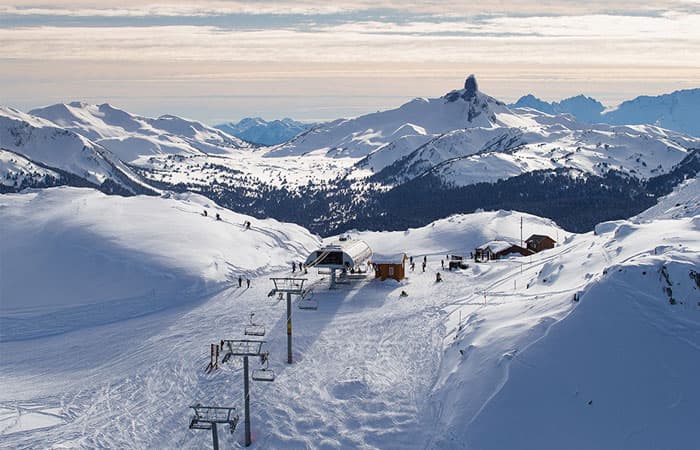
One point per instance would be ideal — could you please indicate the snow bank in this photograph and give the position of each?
(75, 257)
(461, 233)
(533, 368)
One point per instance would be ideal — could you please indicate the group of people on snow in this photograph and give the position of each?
(240, 281)
(300, 266)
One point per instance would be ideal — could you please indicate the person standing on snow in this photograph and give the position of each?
(247, 280)
(240, 281)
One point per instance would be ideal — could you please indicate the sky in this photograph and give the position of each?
(220, 60)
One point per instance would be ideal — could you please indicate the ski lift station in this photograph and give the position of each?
(345, 254)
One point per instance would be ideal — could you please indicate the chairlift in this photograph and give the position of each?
(253, 329)
(264, 373)
(308, 301)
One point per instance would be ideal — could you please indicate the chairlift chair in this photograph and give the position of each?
(264, 373)
(308, 301)
(253, 329)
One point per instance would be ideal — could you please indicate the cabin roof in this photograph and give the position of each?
(397, 258)
(537, 238)
(495, 246)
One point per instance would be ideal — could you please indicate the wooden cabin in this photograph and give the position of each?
(497, 250)
(539, 242)
(389, 266)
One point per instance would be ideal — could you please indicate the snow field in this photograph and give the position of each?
(372, 369)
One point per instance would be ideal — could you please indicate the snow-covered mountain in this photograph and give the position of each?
(260, 131)
(675, 111)
(585, 109)
(130, 136)
(678, 111)
(465, 145)
(420, 119)
(51, 149)
(684, 201)
(122, 298)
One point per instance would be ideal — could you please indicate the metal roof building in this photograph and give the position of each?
(343, 254)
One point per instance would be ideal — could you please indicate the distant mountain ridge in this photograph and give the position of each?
(455, 153)
(677, 111)
(257, 130)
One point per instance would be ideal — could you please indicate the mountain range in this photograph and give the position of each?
(393, 169)
(676, 111)
(262, 132)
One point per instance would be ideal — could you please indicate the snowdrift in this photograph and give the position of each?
(598, 351)
(461, 234)
(75, 257)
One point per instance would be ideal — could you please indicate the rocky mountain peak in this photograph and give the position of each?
(470, 87)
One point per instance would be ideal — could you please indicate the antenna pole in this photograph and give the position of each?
(521, 231)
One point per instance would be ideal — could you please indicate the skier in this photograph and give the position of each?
(413, 266)
(425, 259)
(411, 259)
(423, 266)
(442, 263)
(294, 267)
(247, 225)
(404, 294)
(438, 277)
(240, 281)
(205, 213)
(247, 280)
(218, 217)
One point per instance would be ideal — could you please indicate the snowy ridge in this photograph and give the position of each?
(577, 369)
(130, 136)
(118, 257)
(43, 142)
(675, 111)
(263, 132)
(18, 171)
(684, 201)
(358, 137)
(468, 137)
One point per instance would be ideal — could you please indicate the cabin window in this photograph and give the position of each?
(335, 258)
(391, 271)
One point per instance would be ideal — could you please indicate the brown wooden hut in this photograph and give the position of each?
(498, 249)
(389, 266)
(539, 242)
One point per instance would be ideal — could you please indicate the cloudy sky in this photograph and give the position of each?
(219, 60)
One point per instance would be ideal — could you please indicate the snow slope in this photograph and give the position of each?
(684, 201)
(45, 143)
(263, 132)
(362, 135)
(617, 372)
(462, 233)
(675, 111)
(17, 171)
(441, 368)
(585, 109)
(130, 136)
(104, 258)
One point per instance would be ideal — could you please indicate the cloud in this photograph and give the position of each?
(668, 39)
(138, 8)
